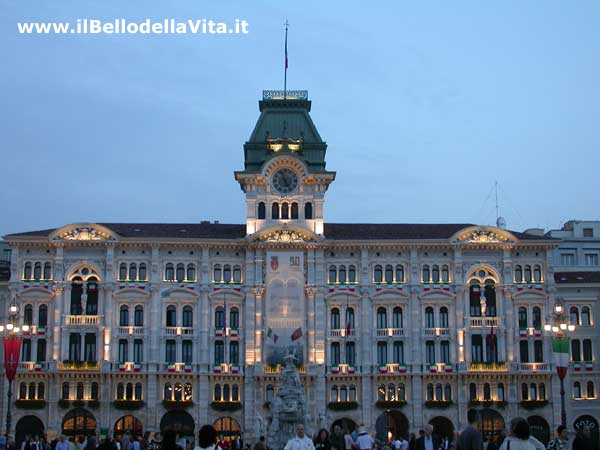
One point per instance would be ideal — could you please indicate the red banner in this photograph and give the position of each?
(12, 349)
(562, 372)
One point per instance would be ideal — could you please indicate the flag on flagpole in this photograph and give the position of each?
(348, 329)
(286, 52)
(560, 348)
(297, 334)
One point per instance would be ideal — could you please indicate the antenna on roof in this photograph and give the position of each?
(286, 63)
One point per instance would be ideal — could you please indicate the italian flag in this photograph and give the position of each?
(402, 368)
(448, 368)
(234, 332)
(235, 369)
(122, 367)
(577, 366)
(217, 369)
(351, 369)
(589, 365)
(187, 368)
(335, 369)
(382, 369)
(137, 367)
(560, 348)
(219, 332)
(171, 368)
(433, 368)
(523, 332)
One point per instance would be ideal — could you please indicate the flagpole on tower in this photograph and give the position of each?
(286, 63)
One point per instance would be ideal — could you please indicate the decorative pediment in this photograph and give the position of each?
(389, 294)
(285, 234)
(180, 292)
(35, 292)
(130, 292)
(228, 294)
(436, 293)
(483, 235)
(528, 292)
(342, 295)
(83, 232)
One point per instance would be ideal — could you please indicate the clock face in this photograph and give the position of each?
(285, 181)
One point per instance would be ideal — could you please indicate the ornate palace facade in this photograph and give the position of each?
(146, 326)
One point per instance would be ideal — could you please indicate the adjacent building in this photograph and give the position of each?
(148, 326)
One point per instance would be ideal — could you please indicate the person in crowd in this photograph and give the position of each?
(428, 441)
(2, 442)
(337, 438)
(135, 443)
(62, 443)
(349, 442)
(11, 444)
(223, 443)
(207, 439)
(561, 440)
(583, 439)
(126, 441)
(364, 440)
(300, 441)
(412, 442)
(260, 445)
(518, 438)
(26, 444)
(322, 441)
(470, 438)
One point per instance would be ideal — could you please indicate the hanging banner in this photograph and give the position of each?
(285, 307)
(560, 348)
(12, 349)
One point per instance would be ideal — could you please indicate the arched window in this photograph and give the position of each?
(350, 354)
(533, 391)
(574, 315)
(94, 391)
(235, 393)
(435, 274)
(65, 391)
(121, 391)
(237, 274)
(342, 275)
(41, 391)
(401, 392)
(399, 273)
(234, 318)
(227, 273)
(334, 394)
(586, 320)
(381, 353)
(143, 272)
(217, 274)
(443, 317)
(138, 316)
(226, 396)
(445, 274)
(32, 390)
(591, 392)
(343, 394)
(294, 211)
(352, 392)
(132, 272)
(500, 392)
(123, 316)
(171, 316)
(472, 392)
(448, 392)
(168, 392)
(439, 393)
(490, 298)
(180, 272)
(332, 274)
(398, 348)
(381, 318)
(23, 391)
(275, 211)
(537, 273)
(429, 317)
(391, 392)
(187, 319)
(524, 392)
(219, 353)
(351, 274)
(219, 317)
(122, 272)
(381, 392)
(217, 397)
(28, 315)
(389, 274)
(527, 273)
(308, 211)
(518, 274)
(79, 391)
(335, 319)
(475, 300)
(261, 211)
(425, 274)
(575, 350)
(42, 316)
(138, 391)
(576, 390)
(178, 392)
(542, 391)
(169, 272)
(429, 394)
(350, 318)
(378, 274)
(335, 353)
(487, 392)
(397, 317)
(285, 215)
(47, 271)
(129, 391)
(191, 272)
(270, 393)
(522, 318)
(27, 271)
(587, 350)
(37, 271)
(234, 352)
(537, 318)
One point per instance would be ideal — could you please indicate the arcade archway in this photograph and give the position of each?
(128, 424)
(491, 423)
(179, 421)
(588, 421)
(228, 427)
(539, 428)
(28, 425)
(442, 426)
(344, 423)
(391, 424)
(79, 421)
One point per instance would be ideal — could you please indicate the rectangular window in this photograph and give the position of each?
(591, 259)
(186, 351)
(538, 351)
(26, 350)
(138, 351)
(445, 352)
(588, 232)
(524, 351)
(382, 353)
(123, 350)
(399, 352)
(567, 259)
(219, 352)
(335, 353)
(90, 347)
(41, 350)
(350, 354)
(170, 351)
(430, 352)
(476, 348)
(234, 353)
(575, 350)
(75, 347)
(6, 254)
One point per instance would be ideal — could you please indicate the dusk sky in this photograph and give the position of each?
(423, 105)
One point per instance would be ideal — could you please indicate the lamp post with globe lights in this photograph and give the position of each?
(11, 334)
(559, 329)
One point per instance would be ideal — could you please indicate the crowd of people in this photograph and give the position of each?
(518, 437)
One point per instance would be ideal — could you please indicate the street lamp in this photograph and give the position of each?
(11, 340)
(560, 328)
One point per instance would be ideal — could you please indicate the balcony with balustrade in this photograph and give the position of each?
(342, 332)
(436, 332)
(82, 320)
(130, 331)
(178, 331)
(483, 322)
(388, 332)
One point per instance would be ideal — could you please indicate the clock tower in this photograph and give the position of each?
(284, 176)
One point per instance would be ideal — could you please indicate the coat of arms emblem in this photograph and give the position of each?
(274, 263)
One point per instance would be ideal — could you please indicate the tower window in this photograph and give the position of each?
(308, 211)
(261, 211)
(275, 211)
(294, 211)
